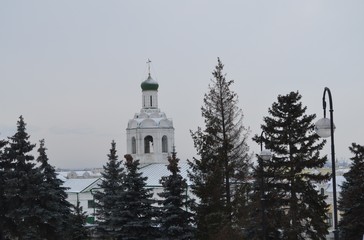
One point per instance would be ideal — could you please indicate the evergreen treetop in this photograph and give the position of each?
(3, 208)
(292, 202)
(351, 200)
(17, 154)
(20, 181)
(135, 204)
(111, 188)
(77, 221)
(52, 200)
(224, 159)
(175, 218)
(124, 203)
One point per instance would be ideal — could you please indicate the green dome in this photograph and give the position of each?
(149, 84)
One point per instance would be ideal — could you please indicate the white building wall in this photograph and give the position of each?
(83, 198)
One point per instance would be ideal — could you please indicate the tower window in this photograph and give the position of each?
(133, 145)
(148, 144)
(164, 144)
(151, 101)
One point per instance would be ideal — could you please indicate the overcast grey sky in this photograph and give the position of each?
(73, 68)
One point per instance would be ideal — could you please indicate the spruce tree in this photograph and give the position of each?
(351, 201)
(111, 188)
(76, 224)
(256, 228)
(3, 208)
(175, 218)
(220, 174)
(135, 212)
(54, 208)
(294, 206)
(21, 180)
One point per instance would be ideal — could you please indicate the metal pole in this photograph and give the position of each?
(336, 236)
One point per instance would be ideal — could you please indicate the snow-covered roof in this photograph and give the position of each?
(61, 177)
(81, 184)
(342, 171)
(155, 171)
(63, 174)
(339, 182)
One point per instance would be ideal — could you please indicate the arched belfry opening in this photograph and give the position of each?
(148, 144)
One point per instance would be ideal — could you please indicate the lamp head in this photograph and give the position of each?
(266, 155)
(323, 127)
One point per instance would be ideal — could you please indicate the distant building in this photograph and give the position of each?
(81, 190)
(80, 184)
(73, 174)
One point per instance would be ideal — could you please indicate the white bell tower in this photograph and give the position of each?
(150, 134)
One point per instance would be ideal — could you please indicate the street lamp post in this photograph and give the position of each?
(265, 155)
(325, 128)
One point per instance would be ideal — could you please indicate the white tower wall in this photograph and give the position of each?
(150, 99)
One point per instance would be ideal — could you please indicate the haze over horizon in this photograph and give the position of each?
(73, 68)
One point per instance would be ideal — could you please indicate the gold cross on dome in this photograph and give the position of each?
(148, 62)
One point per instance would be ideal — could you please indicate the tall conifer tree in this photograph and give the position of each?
(21, 179)
(112, 186)
(135, 211)
(175, 218)
(351, 201)
(77, 221)
(3, 208)
(221, 172)
(54, 208)
(293, 204)
(256, 228)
